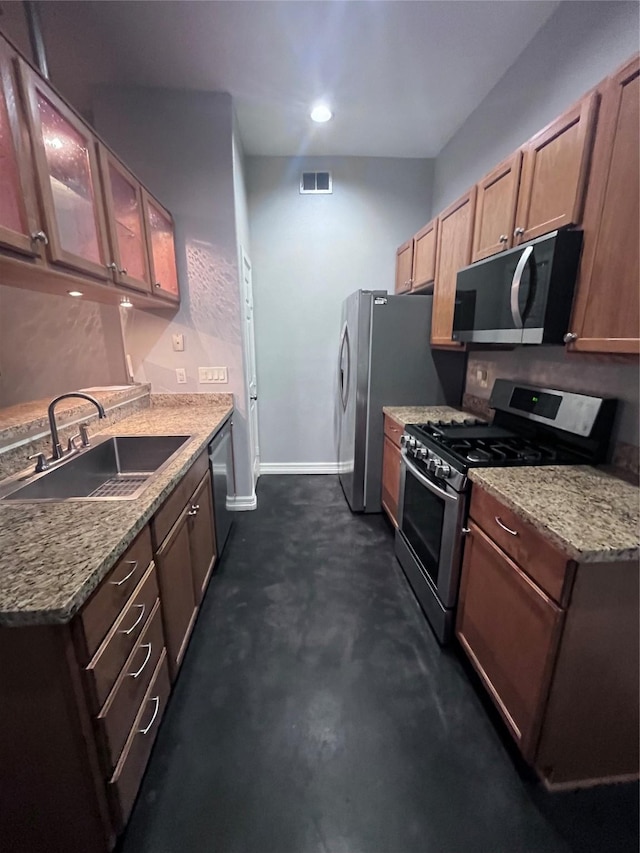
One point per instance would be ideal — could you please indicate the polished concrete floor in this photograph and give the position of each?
(316, 713)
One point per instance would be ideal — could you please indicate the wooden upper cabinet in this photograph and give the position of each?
(18, 208)
(68, 180)
(162, 251)
(496, 209)
(554, 172)
(404, 265)
(510, 630)
(424, 255)
(606, 310)
(455, 233)
(129, 260)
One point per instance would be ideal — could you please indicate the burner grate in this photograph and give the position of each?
(120, 486)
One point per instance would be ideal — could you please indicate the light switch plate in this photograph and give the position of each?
(212, 375)
(181, 375)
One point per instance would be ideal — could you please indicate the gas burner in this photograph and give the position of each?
(478, 456)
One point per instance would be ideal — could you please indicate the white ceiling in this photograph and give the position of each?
(400, 76)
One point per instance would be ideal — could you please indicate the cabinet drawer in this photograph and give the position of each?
(542, 561)
(103, 608)
(107, 662)
(128, 774)
(122, 705)
(393, 429)
(169, 512)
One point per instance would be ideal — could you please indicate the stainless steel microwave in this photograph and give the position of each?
(521, 296)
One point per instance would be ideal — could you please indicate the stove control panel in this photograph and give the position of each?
(432, 462)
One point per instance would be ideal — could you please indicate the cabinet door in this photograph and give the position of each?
(554, 172)
(175, 578)
(202, 537)
(496, 209)
(455, 232)
(404, 262)
(68, 180)
(162, 250)
(509, 629)
(391, 479)
(125, 223)
(424, 256)
(18, 213)
(606, 311)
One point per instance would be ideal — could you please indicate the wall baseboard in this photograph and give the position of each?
(300, 468)
(242, 503)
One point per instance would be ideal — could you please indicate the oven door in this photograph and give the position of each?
(430, 521)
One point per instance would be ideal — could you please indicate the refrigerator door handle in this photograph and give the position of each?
(344, 366)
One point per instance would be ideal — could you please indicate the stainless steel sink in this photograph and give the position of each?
(118, 468)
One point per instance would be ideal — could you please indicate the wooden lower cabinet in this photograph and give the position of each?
(565, 679)
(81, 703)
(510, 629)
(175, 578)
(202, 537)
(391, 461)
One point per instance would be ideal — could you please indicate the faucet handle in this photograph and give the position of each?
(71, 444)
(41, 464)
(84, 434)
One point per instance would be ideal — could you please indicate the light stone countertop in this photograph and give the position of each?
(420, 414)
(590, 515)
(53, 555)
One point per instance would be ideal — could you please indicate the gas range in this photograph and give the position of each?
(531, 426)
(447, 449)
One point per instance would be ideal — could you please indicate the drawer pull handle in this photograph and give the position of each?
(133, 563)
(504, 526)
(155, 699)
(146, 660)
(138, 620)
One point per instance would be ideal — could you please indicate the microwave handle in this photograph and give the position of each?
(516, 281)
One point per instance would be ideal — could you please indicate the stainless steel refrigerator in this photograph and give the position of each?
(385, 359)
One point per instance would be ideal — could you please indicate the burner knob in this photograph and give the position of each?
(431, 464)
(442, 469)
(422, 453)
(411, 442)
(403, 439)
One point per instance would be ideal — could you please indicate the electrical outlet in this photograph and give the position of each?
(212, 375)
(178, 342)
(181, 375)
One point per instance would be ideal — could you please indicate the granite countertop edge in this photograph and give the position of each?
(63, 614)
(580, 555)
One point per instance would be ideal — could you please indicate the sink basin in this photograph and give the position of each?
(118, 468)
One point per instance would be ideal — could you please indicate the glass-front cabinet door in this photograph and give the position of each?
(19, 227)
(162, 251)
(68, 179)
(125, 223)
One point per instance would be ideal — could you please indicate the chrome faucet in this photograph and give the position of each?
(58, 452)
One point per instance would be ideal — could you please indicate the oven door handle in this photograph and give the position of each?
(426, 481)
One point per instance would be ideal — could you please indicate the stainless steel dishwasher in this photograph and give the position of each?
(222, 481)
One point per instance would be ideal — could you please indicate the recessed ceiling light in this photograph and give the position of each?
(321, 113)
(74, 292)
(125, 302)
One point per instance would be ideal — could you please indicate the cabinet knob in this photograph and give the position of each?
(113, 266)
(40, 237)
(157, 284)
(570, 337)
(518, 232)
(122, 271)
(503, 238)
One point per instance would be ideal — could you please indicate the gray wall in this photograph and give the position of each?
(180, 144)
(309, 253)
(53, 344)
(580, 45)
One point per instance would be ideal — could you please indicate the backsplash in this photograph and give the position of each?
(53, 344)
(553, 367)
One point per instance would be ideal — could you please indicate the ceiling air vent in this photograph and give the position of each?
(316, 182)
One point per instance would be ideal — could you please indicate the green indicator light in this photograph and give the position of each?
(535, 399)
